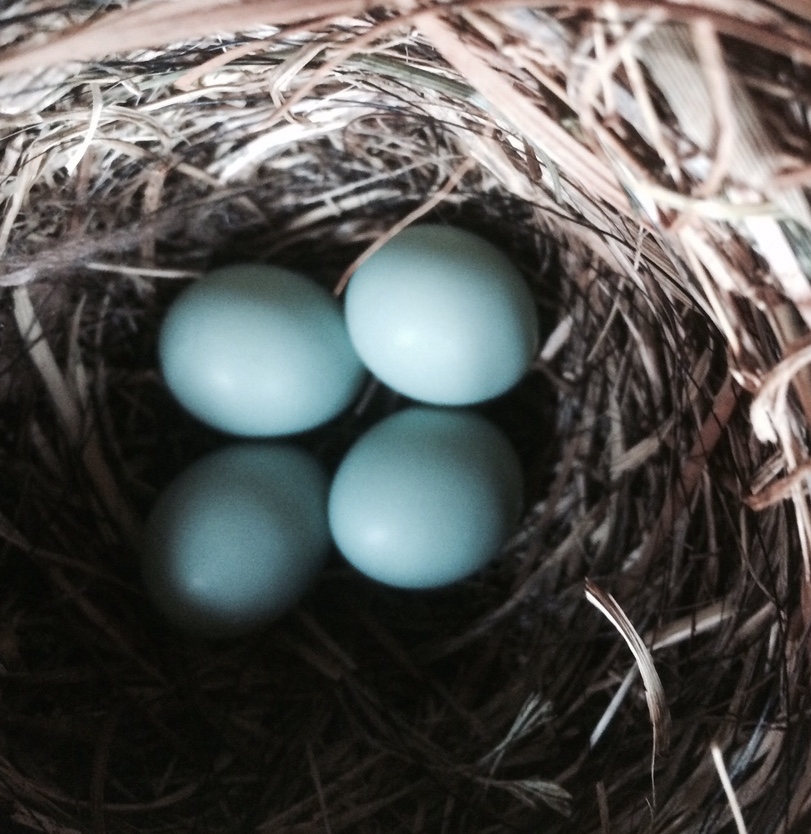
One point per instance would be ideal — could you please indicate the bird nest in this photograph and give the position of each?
(635, 659)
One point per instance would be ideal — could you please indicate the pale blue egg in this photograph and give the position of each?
(259, 351)
(442, 316)
(237, 538)
(425, 497)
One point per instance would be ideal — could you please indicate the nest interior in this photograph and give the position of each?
(634, 660)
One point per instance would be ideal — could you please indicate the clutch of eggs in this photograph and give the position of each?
(423, 499)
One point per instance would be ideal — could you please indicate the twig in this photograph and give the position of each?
(429, 205)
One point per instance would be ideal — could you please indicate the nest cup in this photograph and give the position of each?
(635, 658)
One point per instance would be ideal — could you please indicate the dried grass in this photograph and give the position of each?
(645, 164)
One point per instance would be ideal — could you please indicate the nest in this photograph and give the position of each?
(635, 660)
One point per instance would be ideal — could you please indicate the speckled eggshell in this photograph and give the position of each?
(258, 351)
(442, 316)
(425, 497)
(236, 539)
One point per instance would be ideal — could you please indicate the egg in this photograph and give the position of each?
(236, 539)
(425, 497)
(258, 351)
(442, 316)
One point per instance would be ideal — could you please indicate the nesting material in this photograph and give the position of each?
(635, 659)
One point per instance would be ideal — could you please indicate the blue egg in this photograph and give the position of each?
(259, 351)
(425, 497)
(442, 316)
(237, 538)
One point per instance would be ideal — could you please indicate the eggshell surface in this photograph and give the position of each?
(425, 497)
(442, 316)
(258, 351)
(236, 539)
